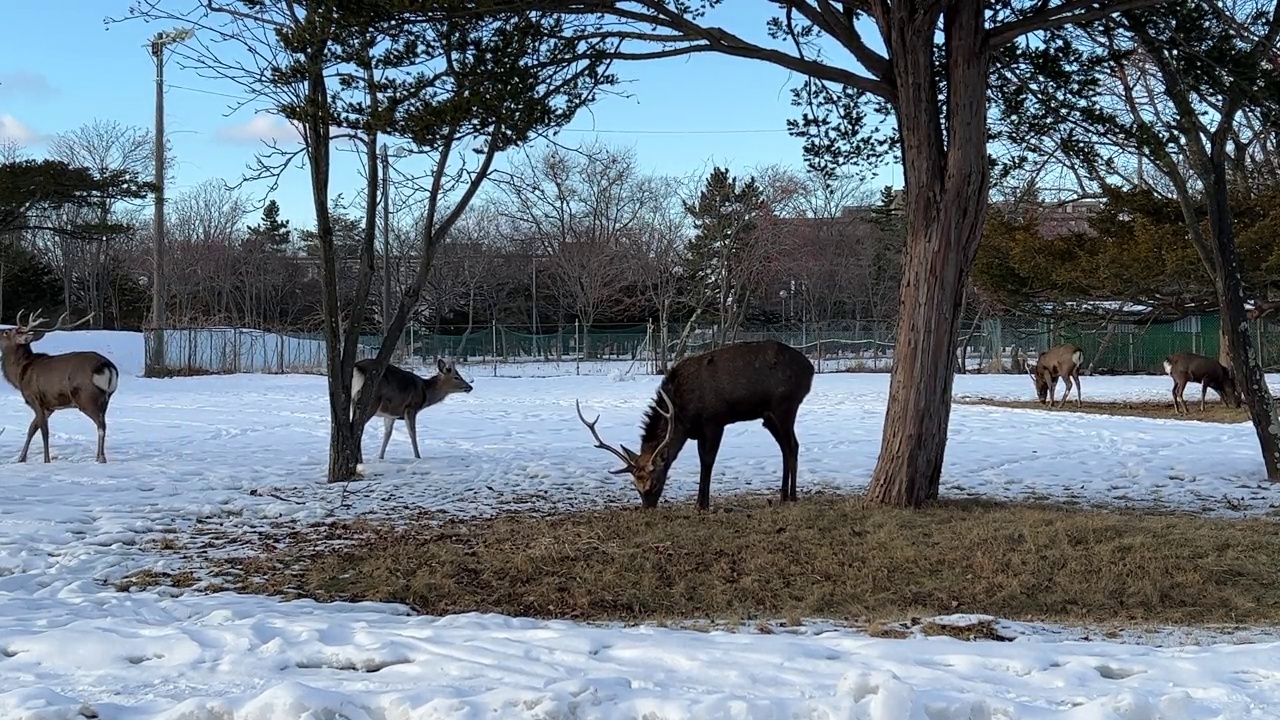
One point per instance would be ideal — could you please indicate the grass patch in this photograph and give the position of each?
(825, 557)
(1214, 411)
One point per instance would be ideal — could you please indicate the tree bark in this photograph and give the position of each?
(1251, 381)
(946, 203)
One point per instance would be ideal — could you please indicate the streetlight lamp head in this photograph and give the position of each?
(171, 37)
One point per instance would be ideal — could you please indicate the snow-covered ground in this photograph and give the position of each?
(248, 451)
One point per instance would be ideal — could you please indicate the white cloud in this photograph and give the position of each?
(28, 84)
(261, 128)
(11, 128)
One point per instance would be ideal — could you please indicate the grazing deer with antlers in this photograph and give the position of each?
(84, 380)
(699, 396)
(1185, 367)
(401, 395)
(1063, 362)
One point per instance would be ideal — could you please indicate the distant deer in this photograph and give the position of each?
(1063, 362)
(84, 380)
(401, 395)
(1185, 367)
(700, 395)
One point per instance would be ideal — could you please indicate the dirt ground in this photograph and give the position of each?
(1214, 410)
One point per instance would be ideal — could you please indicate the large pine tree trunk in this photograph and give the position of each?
(946, 201)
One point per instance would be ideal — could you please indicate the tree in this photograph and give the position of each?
(104, 147)
(582, 211)
(272, 234)
(1181, 80)
(726, 255)
(458, 86)
(932, 79)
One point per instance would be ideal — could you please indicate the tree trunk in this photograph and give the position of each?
(946, 202)
(1251, 381)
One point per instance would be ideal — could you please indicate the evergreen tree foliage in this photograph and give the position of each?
(272, 233)
(724, 217)
(26, 281)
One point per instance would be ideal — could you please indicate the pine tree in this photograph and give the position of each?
(272, 233)
(724, 217)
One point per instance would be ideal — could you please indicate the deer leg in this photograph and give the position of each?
(1177, 395)
(387, 424)
(1066, 393)
(1204, 390)
(708, 448)
(411, 420)
(784, 444)
(31, 433)
(1076, 373)
(99, 417)
(784, 432)
(1053, 390)
(44, 436)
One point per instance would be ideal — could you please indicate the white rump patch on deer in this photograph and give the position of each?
(106, 380)
(357, 382)
(1168, 368)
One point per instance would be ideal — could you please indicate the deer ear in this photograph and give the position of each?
(440, 365)
(631, 455)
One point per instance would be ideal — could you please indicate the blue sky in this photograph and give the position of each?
(684, 114)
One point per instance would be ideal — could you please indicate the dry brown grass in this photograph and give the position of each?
(825, 557)
(1214, 411)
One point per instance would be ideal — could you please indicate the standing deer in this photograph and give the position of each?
(84, 380)
(1063, 362)
(699, 396)
(401, 395)
(1185, 367)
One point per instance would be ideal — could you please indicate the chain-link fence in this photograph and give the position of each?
(985, 345)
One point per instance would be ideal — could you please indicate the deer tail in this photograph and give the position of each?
(106, 377)
(1077, 357)
(1168, 367)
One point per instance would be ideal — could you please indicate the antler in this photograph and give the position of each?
(670, 416)
(62, 318)
(601, 444)
(34, 320)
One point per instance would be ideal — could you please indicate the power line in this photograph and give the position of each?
(760, 131)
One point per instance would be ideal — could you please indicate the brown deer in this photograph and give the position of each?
(1063, 362)
(401, 395)
(1185, 367)
(84, 380)
(699, 396)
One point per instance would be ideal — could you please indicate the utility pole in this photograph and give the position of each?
(386, 240)
(156, 359)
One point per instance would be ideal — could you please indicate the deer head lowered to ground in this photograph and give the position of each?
(1063, 362)
(699, 396)
(84, 380)
(401, 395)
(1185, 367)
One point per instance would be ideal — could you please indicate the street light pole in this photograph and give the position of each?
(159, 299)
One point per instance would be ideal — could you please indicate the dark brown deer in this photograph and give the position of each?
(700, 395)
(401, 395)
(1063, 362)
(84, 380)
(1185, 367)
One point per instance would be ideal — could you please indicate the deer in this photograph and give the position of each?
(85, 380)
(700, 395)
(1063, 362)
(401, 395)
(1185, 367)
